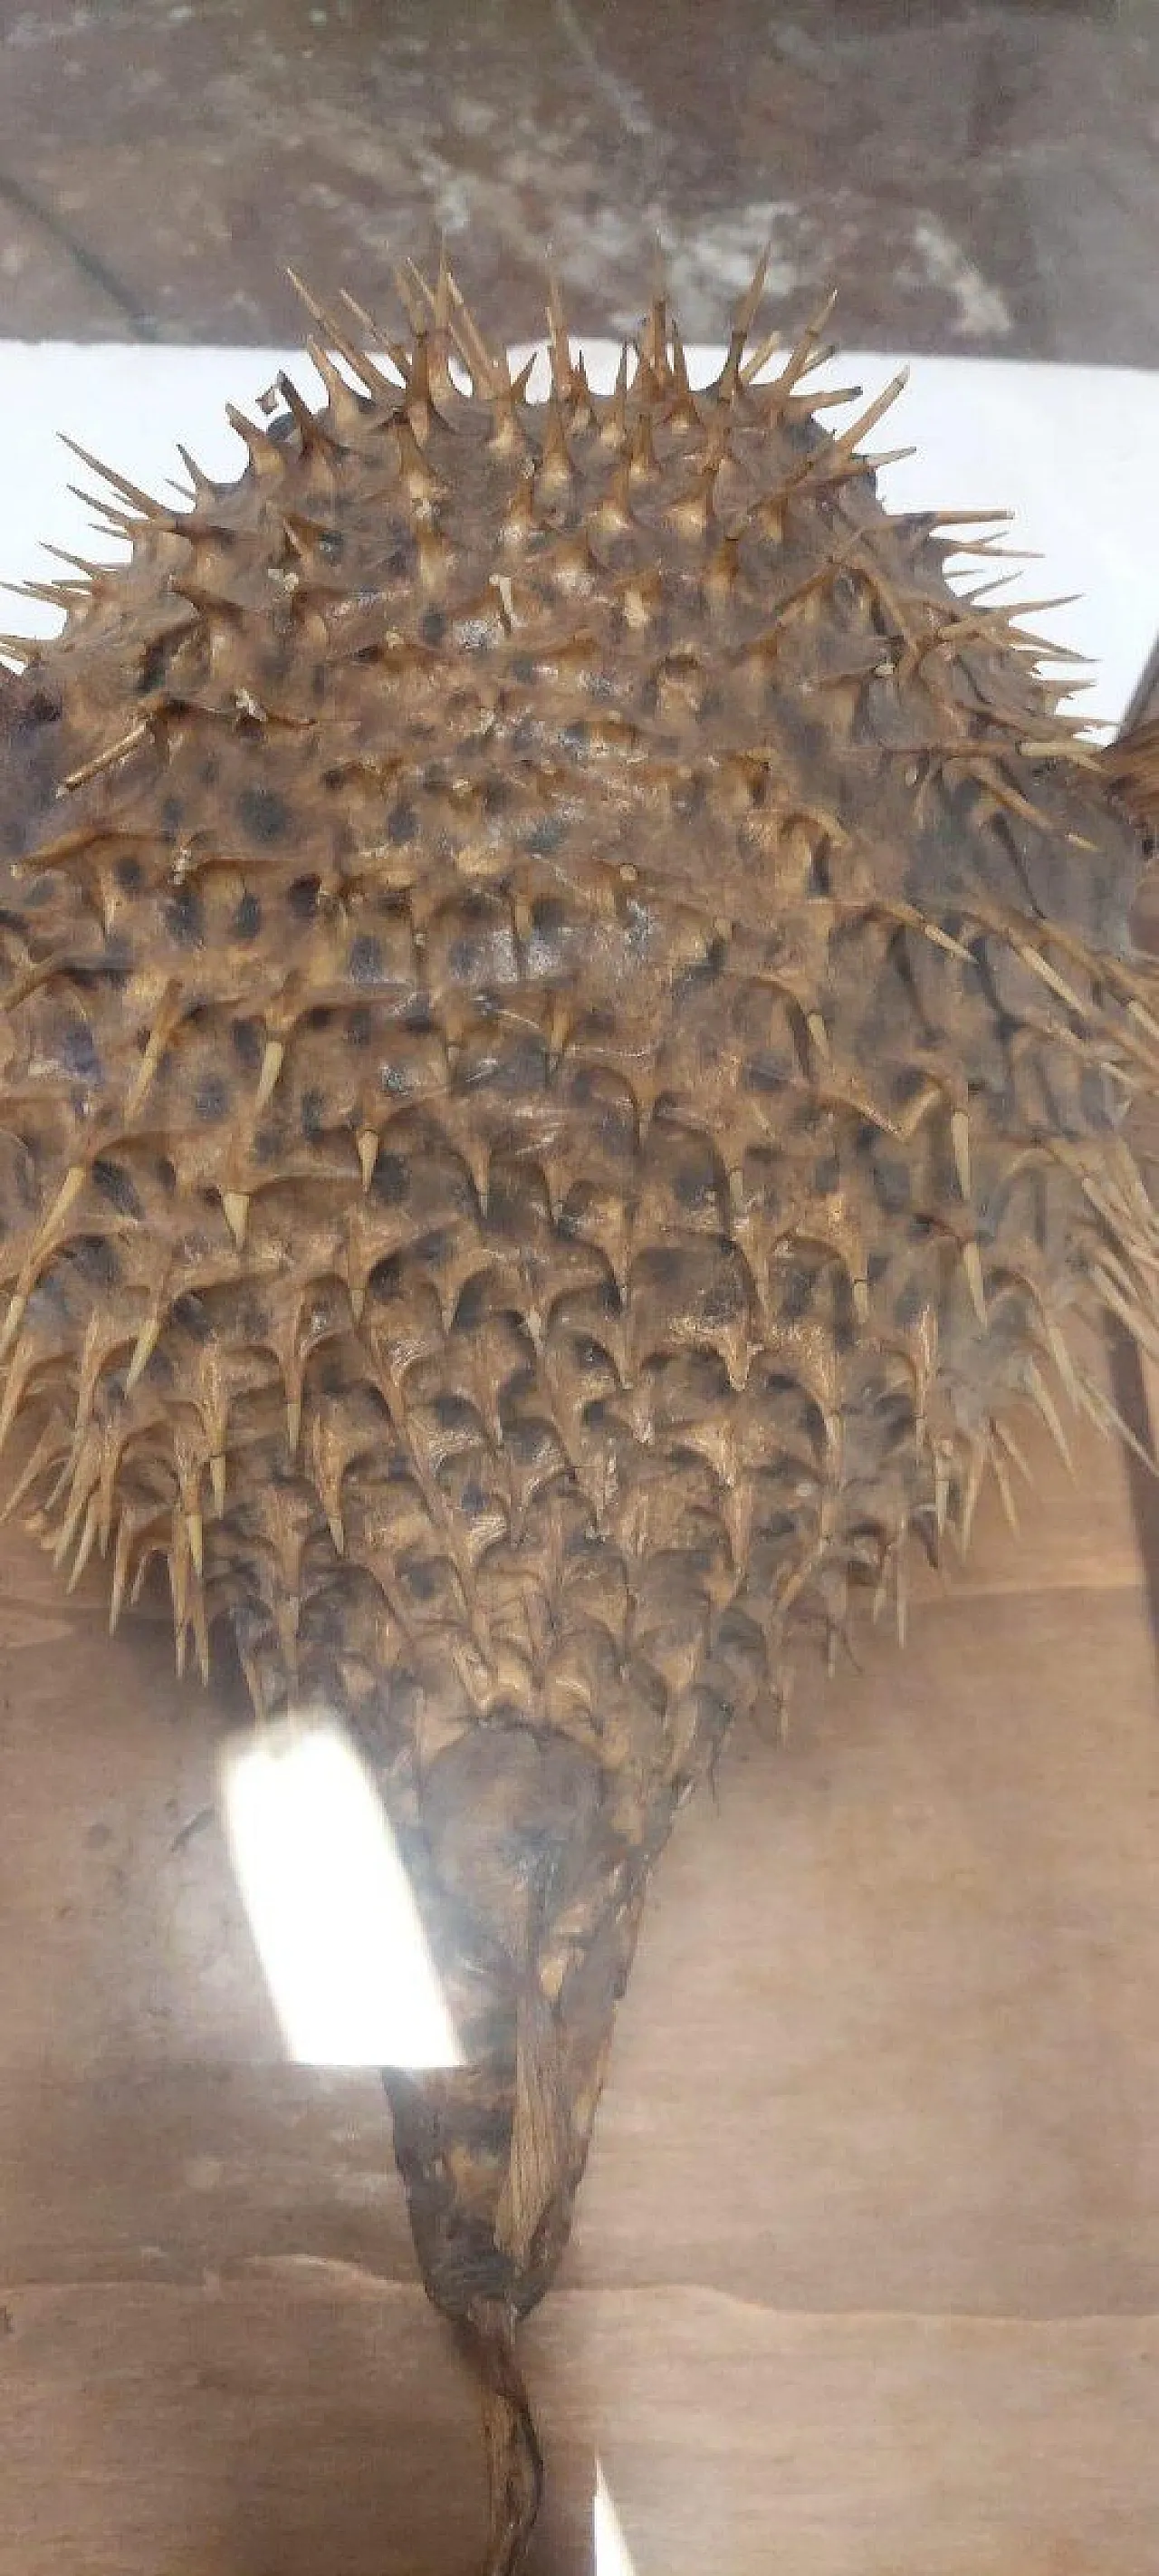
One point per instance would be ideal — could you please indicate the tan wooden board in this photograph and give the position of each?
(865, 2280)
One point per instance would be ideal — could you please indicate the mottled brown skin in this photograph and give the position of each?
(1133, 766)
(30, 762)
(564, 1058)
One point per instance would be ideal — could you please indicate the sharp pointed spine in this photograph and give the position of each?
(367, 1155)
(273, 1058)
(972, 1264)
(143, 1349)
(236, 1208)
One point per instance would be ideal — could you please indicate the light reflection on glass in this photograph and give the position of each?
(612, 2555)
(330, 1906)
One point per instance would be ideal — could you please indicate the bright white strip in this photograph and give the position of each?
(333, 1917)
(1070, 450)
(613, 2557)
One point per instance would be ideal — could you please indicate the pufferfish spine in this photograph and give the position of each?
(565, 1055)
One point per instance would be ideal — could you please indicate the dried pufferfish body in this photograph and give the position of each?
(563, 1081)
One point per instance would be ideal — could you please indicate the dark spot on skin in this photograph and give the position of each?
(117, 1186)
(453, 1413)
(522, 1066)
(721, 1303)
(820, 873)
(160, 1369)
(574, 737)
(27, 1187)
(153, 665)
(209, 771)
(129, 875)
(184, 918)
(694, 1186)
(796, 1294)
(263, 814)
(523, 668)
(78, 1055)
(247, 1043)
(892, 1179)
(48, 1308)
(764, 1073)
(473, 1498)
(364, 964)
(302, 898)
(171, 818)
(247, 920)
(359, 1029)
(910, 1080)
(94, 1260)
(386, 1279)
(418, 1016)
(269, 1143)
(434, 626)
(401, 824)
(391, 1180)
(472, 1305)
(547, 836)
(313, 1115)
(189, 1314)
(45, 706)
(253, 1323)
(705, 970)
(436, 1247)
(526, 1442)
(211, 1099)
(588, 1354)
(330, 545)
(667, 1268)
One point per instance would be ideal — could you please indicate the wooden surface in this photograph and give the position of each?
(866, 2276)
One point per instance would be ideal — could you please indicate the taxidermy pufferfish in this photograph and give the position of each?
(563, 1064)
